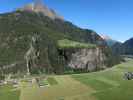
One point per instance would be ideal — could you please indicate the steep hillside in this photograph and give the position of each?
(128, 47)
(125, 48)
(29, 42)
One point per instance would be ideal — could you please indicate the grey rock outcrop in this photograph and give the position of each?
(89, 59)
(32, 54)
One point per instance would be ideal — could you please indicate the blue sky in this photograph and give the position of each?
(110, 17)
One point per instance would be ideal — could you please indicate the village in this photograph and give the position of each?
(40, 81)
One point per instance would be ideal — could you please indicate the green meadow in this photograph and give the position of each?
(7, 92)
(110, 84)
(73, 44)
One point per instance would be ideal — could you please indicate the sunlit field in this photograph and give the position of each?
(110, 84)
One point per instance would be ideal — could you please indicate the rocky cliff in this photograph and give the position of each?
(82, 56)
(89, 59)
(83, 59)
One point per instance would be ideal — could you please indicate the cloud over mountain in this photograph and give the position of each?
(39, 6)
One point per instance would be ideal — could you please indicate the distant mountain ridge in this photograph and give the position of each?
(125, 48)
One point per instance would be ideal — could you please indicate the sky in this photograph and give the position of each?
(110, 17)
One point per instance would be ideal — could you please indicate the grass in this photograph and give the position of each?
(109, 84)
(51, 81)
(44, 82)
(73, 44)
(66, 89)
(7, 92)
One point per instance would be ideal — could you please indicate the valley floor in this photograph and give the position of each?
(66, 89)
(104, 85)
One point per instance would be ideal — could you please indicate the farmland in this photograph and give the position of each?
(110, 84)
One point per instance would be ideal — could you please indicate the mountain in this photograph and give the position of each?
(128, 47)
(117, 48)
(125, 48)
(34, 42)
(108, 40)
(38, 6)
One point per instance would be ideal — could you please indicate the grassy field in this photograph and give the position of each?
(7, 92)
(73, 44)
(66, 88)
(110, 84)
(104, 85)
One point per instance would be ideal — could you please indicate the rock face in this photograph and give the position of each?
(32, 54)
(38, 7)
(89, 59)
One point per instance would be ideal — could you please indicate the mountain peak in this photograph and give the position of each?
(108, 40)
(105, 37)
(38, 6)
